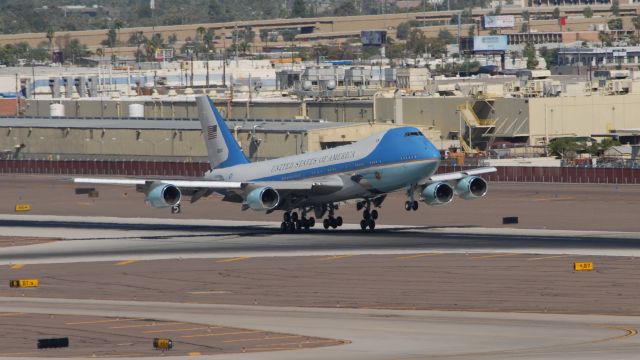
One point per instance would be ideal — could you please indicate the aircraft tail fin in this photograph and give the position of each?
(222, 148)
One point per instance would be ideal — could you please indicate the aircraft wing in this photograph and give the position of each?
(460, 174)
(199, 188)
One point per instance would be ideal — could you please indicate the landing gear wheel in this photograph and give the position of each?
(374, 214)
(294, 216)
(326, 224)
(176, 209)
(372, 224)
(363, 224)
(306, 224)
(333, 222)
(414, 206)
(312, 221)
(283, 227)
(359, 206)
(291, 227)
(339, 220)
(298, 224)
(366, 214)
(407, 205)
(286, 217)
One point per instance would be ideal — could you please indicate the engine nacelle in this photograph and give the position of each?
(162, 195)
(262, 199)
(471, 187)
(439, 193)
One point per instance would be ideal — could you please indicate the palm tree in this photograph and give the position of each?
(117, 25)
(636, 23)
(200, 32)
(50, 36)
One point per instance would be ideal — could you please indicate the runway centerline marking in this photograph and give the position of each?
(178, 330)
(102, 321)
(221, 334)
(125, 262)
(146, 325)
(16, 266)
(335, 257)
(494, 256)
(239, 258)
(547, 257)
(263, 338)
(416, 256)
(556, 198)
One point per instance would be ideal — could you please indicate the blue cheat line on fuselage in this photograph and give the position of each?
(400, 145)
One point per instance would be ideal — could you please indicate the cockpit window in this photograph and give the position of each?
(414, 133)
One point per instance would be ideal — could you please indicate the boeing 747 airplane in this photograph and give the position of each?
(314, 183)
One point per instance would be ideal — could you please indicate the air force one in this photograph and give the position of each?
(314, 183)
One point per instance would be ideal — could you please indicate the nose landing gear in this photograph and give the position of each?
(411, 203)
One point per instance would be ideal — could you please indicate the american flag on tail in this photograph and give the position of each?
(212, 132)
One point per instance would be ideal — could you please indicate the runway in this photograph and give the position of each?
(97, 238)
(402, 292)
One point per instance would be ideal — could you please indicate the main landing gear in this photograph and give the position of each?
(291, 222)
(332, 221)
(369, 216)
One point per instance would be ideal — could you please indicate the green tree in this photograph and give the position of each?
(587, 12)
(50, 35)
(550, 56)
(566, 147)
(346, 8)
(416, 42)
(529, 52)
(615, 24)
(111, 38)
(526, 15)
(556, 13)
(471, 31)
(615, 7)
(117, 25)
(605, 38)
(299, 9)
(636, 23)
(446, 37)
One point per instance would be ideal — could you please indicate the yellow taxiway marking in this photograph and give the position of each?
(221, 334)
(84, 203)
(111, 356)
(547, 257)
(101, 321)
(194, 353)
(295, 343)
(18, 353)
(269, 349)
(177, 330)
(125, 262)
(10, 314)
(556, 198)
(335, 257)
(146, 325)
(415, 256)
(493, 256)
(240, 258)
(17, 266)
(629, 332)
(263, 338)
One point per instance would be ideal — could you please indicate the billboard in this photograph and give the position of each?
(490, 43)
(375, 37)
(499, 21)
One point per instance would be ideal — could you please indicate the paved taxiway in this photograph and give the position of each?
(388, 334)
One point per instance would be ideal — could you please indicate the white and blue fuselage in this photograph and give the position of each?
(382, 163)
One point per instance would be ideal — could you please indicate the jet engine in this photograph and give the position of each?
(471, 187)
(161, 195)
(439, 193)
(264, 198)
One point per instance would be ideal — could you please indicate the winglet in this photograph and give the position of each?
(222, 148)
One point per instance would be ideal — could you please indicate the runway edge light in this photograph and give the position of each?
(24, 283)
(583, 266)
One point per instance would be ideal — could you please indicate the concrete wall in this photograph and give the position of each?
(582, 116)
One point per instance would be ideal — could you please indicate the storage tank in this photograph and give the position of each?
(56, 110)
(136, 110)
